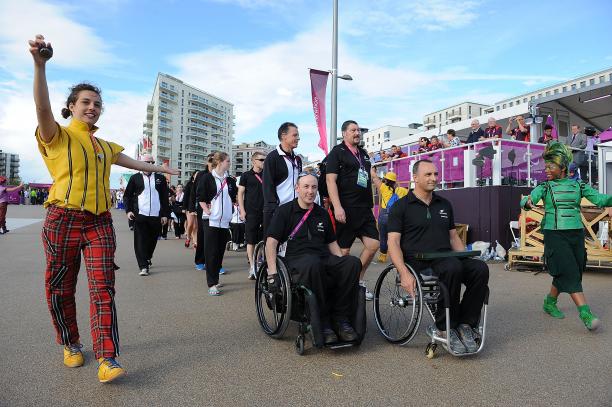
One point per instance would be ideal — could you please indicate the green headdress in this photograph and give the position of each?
(558, 153)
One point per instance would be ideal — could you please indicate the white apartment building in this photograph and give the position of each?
(9, 166)
(184, 124)
(453, 114)
(375, 138)
(242, 153)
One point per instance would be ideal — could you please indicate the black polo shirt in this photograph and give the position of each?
(253, 194)
(312, 238)
(423, 228)
(345, 164)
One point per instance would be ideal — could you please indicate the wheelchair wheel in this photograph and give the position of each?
(273, 310)
(397, 314)
(228, 245)
(259, 256)
(299, 344)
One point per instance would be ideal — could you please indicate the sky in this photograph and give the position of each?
(407, 58)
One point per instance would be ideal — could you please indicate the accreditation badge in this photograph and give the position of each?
(362, 178)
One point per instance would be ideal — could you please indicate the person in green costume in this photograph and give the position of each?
(564, 249)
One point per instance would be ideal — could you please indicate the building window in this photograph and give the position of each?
(602, 79)
(524, 100)
(387, 136)
(511, 104)
(469, 109)
(582, 84)
(565, 89)
(539, 95)
(547, 93)
(573, 86)
(497, 108)
(592, 82)
(504, 106)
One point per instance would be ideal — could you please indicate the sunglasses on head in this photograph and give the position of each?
(259, 159)
(304, 173)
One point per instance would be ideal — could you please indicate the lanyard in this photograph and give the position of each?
(301, 222)
(356, 155)
(259, 178)
(220, 188)
(291, 160)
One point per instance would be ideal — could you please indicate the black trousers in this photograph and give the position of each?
(237, 232)
(200, 257)
(179, 227)
(146, 232)
(453, 272)
(214, 250)
(332, 279)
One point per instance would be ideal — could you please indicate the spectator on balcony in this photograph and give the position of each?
(520, 132)
(476, 134)
(492, 130)
(577, 142)
(397, 152)
(423, 145)
(547, 135)
(451, 139)
(384, 156)
(435, 144)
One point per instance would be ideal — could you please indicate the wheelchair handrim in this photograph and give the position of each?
(396, 293)
(281, 319)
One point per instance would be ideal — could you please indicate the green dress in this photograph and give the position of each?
(564, 249)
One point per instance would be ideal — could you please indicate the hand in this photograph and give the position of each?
(609, 210)
(408, 283)
(242, 214)
(164, 220)
(373, 173)
(35, 45)
(529, 204)
(130, 215)
(340, 215)
(273, 283)
(206, 209)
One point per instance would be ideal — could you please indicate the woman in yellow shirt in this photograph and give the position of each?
(78, 218)
(389, 193)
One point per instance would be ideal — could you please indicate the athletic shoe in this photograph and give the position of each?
(109, 370)
(455, 343)
(368, 295)
(214, 291)
(144, 272)
(382, 258)
(550, 307)
(251, 275)
(73, 357)
(222, 271)
(200, 267)
(589, 319)
(466, 334)
(219, 285)
(150, 263)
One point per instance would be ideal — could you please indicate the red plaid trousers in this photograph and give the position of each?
(66, 233)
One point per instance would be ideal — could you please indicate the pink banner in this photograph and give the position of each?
(318, 85)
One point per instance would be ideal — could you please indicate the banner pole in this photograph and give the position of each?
(334, 73)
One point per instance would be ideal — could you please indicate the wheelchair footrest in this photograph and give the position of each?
(340, 345)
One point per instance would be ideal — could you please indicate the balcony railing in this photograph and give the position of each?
(503, 162)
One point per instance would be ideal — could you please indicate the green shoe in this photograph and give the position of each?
(550, 307)
(589, 319)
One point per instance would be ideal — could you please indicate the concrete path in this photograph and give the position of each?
(184, 348)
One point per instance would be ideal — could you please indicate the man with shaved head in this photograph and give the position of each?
(314, 259)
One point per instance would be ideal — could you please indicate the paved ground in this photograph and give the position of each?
(182, 347)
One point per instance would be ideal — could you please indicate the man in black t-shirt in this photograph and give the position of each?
(314, 259)
(250, 201)
(349, 187)
(423, 222)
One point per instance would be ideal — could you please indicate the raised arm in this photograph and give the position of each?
(601, 200)
(11, 189)
(128, 162)
(46, 122)
(375, 178)
(534, 197)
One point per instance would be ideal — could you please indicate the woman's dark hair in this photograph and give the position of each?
(548, 127)
(74, 95)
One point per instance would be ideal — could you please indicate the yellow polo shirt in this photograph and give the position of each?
(80, 170)
(386, 193)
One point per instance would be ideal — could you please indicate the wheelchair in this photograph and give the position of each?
(295, 302)
(259, 256)
(398, 315)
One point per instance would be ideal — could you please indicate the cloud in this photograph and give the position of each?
(255, 4)
(75, 45)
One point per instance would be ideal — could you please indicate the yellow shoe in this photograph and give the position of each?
(382, 258)
(109, 370)
(73, 357)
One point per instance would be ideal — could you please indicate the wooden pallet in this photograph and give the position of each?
(531, 250)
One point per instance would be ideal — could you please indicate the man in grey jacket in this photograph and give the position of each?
(578, 142)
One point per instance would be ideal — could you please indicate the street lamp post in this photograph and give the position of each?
(334, 72)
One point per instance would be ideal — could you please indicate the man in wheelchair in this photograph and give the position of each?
(423, 222)
(314, 259)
